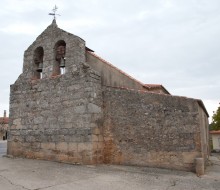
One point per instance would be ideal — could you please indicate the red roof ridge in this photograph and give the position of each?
(149, 86)
(153, 84)
(149, 92)
(4, 120)
(92, 53)
(214, 132)
(141, 91)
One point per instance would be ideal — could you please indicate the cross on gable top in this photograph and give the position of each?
(54, 14)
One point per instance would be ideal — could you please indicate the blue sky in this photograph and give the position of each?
(168, 42)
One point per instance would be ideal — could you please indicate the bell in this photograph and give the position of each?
(40, 67)
(62, 62)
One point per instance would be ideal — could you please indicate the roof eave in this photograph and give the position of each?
(202, 106)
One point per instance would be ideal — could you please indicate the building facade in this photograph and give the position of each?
(215, 137)
(72, 106)
(3, 126)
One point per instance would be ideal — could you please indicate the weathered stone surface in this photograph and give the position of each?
(55, 115)
(200, 166)
(150, 129)
(92, 108)
(74, 117)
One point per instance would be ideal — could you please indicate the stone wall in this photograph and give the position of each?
(204, 133)
(74, 117)
(57, 118)
(47, 40)
(111, 76)
(149, 129)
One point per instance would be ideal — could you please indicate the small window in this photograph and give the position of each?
(60, 52)
(38, 62)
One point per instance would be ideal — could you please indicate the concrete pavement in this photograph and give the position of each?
(25, 174)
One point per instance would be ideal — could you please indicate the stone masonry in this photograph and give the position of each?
(57, 117)
(142, 128)
(71, 106)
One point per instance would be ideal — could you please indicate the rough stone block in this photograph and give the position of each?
(62, 146)
(17, 122)
(100, 138)
(200, 168)
(38, 120)
(72, 147)
(80, 109)
(48, 146)
(84, 147)
(189, 157)
(75, 159)
(95, 138)
(62, 158)
(14, 148)
(92, 108)
(96, 131)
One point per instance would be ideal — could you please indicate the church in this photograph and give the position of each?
(70, 105)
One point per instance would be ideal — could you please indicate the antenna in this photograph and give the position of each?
(54, 14)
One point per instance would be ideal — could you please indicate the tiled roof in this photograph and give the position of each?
(148, 86)
(88, 49)
(4, 120)
(153, 85)
(156, 86)
(214, 132)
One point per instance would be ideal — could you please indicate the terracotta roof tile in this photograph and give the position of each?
(153, 85)
(144, 85)
(214, 132)
(156, 86)
(4, 120)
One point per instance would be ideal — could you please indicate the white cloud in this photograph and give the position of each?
(80, 24)
(21, 28)
(21, 6)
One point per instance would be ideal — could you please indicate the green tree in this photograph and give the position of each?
(215, 125)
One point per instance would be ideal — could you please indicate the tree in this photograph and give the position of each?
(215, 125)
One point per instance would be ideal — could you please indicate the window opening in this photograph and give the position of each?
(62, 65)
(38, 63)
(60, 51)
(61, 58)
(39, 70)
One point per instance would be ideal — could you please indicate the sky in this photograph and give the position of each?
(175, 43)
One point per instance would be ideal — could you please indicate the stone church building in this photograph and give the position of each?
(70, 105)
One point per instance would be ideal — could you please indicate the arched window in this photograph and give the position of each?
(60, 53)
(38, 62)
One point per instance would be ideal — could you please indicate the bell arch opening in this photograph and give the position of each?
(59, 61)
(38, 62)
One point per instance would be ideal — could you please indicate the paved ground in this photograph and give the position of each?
(24, 174)
(2, 147)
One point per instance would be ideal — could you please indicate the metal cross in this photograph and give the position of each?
(54, 14)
